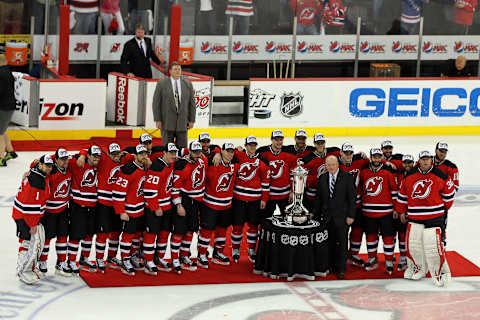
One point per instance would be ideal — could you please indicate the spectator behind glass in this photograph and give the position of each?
(140, 12)
(241, 11)
(136, 55)
(463, 15)
(7, 108)
(112, 17)
(307, 12)
(333, 19)
(11, 16)
(411, 13)
(206, 21)
(39, 14)
(83, 16)
(456, 68)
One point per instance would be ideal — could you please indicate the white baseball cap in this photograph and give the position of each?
(140, 148)
(441, 145)
(146, 138)
(251, 139)
(301, 133)
(424, 154)
(375, 151)
(114, 147)
(171, 147)
(347, 147)
(277, 133)
(195, 146)
(407, 157)
(204, 136)
(386, 144)
(319, 137)
(95, 150)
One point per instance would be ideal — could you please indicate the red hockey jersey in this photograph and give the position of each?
(127, 194)
(306, 10)
(451, 170)
(424, 196)
(189, 179)
(108, 171)
(60, 184)
(464, 10)
(220, 182)
(281, 164)
(212, 150)
(396, 160)
(315, 164)
(158, 186)
(84, 183)
(253, 177)
(377, 191)
(31, 198)
(354, 167)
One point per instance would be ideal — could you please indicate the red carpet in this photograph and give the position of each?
(242, 273)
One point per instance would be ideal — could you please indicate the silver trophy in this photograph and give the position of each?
(296, 213)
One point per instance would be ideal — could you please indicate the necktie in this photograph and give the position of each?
(177, 98)
(332, 185)
(142, 45)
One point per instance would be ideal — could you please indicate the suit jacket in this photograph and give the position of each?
(134, 60)
(164, 108)
(342, 205)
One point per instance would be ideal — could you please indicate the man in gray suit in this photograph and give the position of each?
(174, 107)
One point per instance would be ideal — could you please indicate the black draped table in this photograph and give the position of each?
(289, 251)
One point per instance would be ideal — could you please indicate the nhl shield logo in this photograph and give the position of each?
(291, 104)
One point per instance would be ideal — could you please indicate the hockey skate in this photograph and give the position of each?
(151, 268)
(62, 269)
(127, 267)
(220, 258)
(235, 254)
(188, 264)
(87, 265)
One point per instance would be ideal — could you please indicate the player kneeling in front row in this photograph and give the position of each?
(128, 202)
(216, 213)
(425, 195)
(28, 208)
(158, 213)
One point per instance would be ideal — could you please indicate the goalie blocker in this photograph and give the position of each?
(425, 195)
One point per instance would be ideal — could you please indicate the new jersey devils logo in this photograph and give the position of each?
(198, 176)
(170, 180)
(112, 178)
(421, 189)
(320, 170)
(62, 189)
(140, 186)
(224, 181)
(89, 178)
(247, 170)
(276, 168)
(373, 186)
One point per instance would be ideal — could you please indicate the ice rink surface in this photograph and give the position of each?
(57, 297)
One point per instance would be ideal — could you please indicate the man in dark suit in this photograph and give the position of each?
(174, 107)
(335, 202)
(136, 55)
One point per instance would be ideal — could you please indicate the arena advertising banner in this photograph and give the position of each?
(203, 103)
(25, 114)
(72, 105)
(372, 103)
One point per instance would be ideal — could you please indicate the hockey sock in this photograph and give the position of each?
(237, 235)
(252, 235)
(355, 240)
(372, 243)
(46, 248)
(61, 248)
(72, 250)
(148, 245)
(113, 244)
(100, 244)
(388, 248)
(220, 238)
(86, 246)
(204, 240)
(162, 240)
(126, 244)
(175, 242)
(186, 242)
(401, 244)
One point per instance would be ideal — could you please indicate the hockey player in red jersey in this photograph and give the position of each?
(128, 202)
(209, 150)
(250, 195)
(216, 213)
(281, 163)
(158, 211)
(401, 227)
(300, 148)
(82, 212)
(55, 220)
(424, 195)
(153, 151)
(377, 191)
(450, 169)
(315, 164)
(352, 163)
(28, 208)
(187, 194)
(387, 150)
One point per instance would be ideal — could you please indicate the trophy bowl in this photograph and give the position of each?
(296, 213)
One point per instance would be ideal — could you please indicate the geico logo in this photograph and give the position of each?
(61, 111)
(414, 102)
(21, 106)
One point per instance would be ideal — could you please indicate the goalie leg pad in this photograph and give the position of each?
(435, 256)
(25, 262)
(416, 264)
